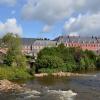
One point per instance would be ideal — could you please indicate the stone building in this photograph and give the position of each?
(33, 46)
(85, 43)
(27, 45)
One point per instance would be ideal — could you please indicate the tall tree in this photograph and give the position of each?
(13, 44)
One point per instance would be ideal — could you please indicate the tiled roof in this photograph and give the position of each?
(27, 41)
(78, 39)
(37, 42)
(44, 43)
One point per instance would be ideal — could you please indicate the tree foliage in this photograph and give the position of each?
(49, 61)
(14, 55)
(68, 59)
(98, 62)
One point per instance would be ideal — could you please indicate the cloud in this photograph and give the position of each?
(8, 2)
(47, 11)
(10, 26)
(83, 24)
(46, 28)
(51, 11)
(84, 6)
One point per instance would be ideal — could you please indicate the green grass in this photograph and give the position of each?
(14, 73)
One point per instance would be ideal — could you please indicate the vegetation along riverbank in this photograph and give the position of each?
(56, 59)
(51, 60)
(13, 63)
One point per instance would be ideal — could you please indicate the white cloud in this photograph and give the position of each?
(46, 28)
(84, 25)
(47, 11)
(84, 6)
(74, 34)
(52, 11)
(8, 2)
(10, 26)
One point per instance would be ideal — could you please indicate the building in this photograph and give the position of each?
(27, 45)
(85, 43)
(40, 44)
(33, 46)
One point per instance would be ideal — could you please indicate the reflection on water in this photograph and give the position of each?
(60, 88)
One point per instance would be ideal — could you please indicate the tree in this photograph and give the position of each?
(98, 62)
(61, 46)
(81, 65)
(89, 64)
(13, 44)
(47, 61)
(72, 59)
(20, 60)
(9, 57)
(91, 55)
(11, 40)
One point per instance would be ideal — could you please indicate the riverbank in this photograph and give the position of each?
(6, 86)
(14, 73)
(60, 74)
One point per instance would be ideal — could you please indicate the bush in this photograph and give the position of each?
(66, 59)
(12, 73)
(49, 62)
(98, 62)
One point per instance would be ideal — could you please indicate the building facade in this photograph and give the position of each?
(31, 46)
(85, 43)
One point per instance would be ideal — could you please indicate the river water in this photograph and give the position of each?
(59, 88)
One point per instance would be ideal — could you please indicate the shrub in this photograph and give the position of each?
(12, 73)
(66, 59)
(98, 62)
(49, 62)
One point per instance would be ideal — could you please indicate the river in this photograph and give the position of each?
(60, 88)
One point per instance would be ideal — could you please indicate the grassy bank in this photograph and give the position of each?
(12, 73)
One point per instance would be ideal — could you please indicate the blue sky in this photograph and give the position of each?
(49, 18)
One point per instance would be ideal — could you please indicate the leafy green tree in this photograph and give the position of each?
(91, 55)
(98, 62)
(61, 46)
(49, 62)
(20, 60)
(72, 58)
(89, 64)
(9, 58)
(14, 55)
(81, 65)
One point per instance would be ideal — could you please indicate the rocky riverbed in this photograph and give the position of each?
(60, 74)
(8, 89)
(49, 87)
(6, 86)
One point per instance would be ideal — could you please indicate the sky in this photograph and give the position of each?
(50, 18)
